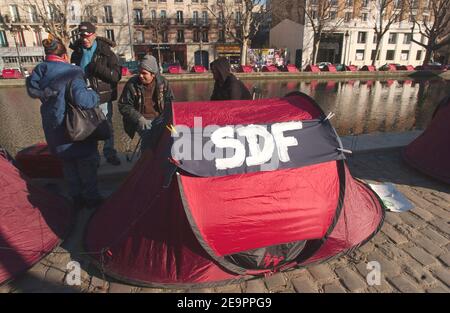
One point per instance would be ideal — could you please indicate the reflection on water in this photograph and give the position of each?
(360, 106)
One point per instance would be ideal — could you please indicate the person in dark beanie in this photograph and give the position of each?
(101, 66)
(49, 83)
(143, 99)
(227, 86)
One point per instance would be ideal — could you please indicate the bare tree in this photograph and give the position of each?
(55, 16)
(384, 14)
(324, 16)
(159, 26)
(240, 20)
(434, 28)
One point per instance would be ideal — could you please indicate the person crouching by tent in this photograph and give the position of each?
(49, 82)
(143, 99)
(227, 86)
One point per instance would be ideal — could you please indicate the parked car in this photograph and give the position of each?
(12, 73)
(322, 65)
(434, 66)
(389, 67)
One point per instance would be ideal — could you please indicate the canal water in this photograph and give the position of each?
(360, 106)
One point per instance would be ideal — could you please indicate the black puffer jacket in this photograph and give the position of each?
(228, 87)
(104, 71)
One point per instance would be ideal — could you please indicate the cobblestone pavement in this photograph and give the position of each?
(412, 248)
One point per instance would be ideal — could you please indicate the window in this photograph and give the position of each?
(425, 19)
(314, 14)
(412, 18)
(178, 1)
(14, 12)
(221, 17)
(72, 13)
(404, 55)
(165, 37)
(415, 4)
(348, 16)
(108, 14)
(37, 38)
(196, 36)
(3, 39)
(362, 37)
(392, 38)
(364, 17)
(390, 55)
(238, 18)
(365, 3)
(194, 1)
(204, 1)
(360, 55)
(153, 14)
(53, 12)
(407, 39)
(180, 17)
(110, 34)
(180, 35)
(33, 14)
(373, 55)
(349, 3)
(75, 35)
(163, 14)
(333, 15)
(205, 37)
(195, 16)
(138, 18)
(21, 39)
(375, 37)
(222, 35)
(205, 17)
(419, 55)
(397, 4)
(139, 36)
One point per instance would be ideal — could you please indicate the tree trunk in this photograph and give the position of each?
(377, 51)
(315, 49)
(427, 58)
(244, 51)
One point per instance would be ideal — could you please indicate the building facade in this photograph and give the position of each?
(185, 32)
(350, 38)
(22, 30)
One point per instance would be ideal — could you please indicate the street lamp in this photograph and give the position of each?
(345, 48)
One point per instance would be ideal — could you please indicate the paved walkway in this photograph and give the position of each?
(412, 247)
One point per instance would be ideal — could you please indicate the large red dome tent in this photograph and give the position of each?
(192, 222)
(430, 152)
(32, 221)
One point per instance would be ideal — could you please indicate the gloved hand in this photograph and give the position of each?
(144, 124)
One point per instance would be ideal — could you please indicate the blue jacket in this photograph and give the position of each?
(48, 83)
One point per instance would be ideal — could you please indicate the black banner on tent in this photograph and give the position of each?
(234, 150)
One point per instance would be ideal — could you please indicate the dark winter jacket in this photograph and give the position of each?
(104, 71)
(48, 83)
(228, 87)
(131, 101)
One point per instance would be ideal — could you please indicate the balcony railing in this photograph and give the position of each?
(91, 19)
(20, 20)
(28, 51)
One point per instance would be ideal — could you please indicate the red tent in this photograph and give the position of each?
(32, 222)
(430, 152)
(197, 221)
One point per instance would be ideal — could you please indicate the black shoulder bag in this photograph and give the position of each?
(84, 124)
